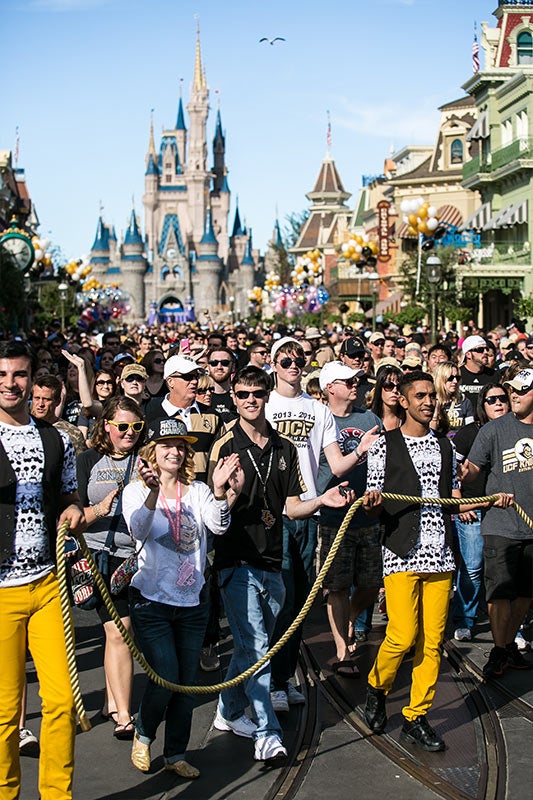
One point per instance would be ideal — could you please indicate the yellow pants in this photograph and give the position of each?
(30, 616)
(417, 607)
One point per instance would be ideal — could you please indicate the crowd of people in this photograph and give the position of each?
(222, 461)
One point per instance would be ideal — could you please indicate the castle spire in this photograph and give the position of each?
(199, 82)
(151, 145)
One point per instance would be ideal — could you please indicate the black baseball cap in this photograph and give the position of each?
(354, 346)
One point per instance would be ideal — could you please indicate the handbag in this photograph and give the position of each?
(84, 591)
(121, 577)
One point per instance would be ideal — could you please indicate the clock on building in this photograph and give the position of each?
(171, 252)
(18, 245)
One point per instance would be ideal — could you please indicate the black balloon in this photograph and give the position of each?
(428, 244)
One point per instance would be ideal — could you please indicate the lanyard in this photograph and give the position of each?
(174, 522)
(267, 476)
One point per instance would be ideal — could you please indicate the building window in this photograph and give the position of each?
(456, 152)
(524, 43)
(507, 132)
(522, 128)
(168, 178)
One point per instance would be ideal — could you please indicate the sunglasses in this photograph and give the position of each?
(123, 427)
(452, 378)
(497, 398)
(204, 391)
(192, 376)
(299, 362)
(524, 390)
(224, 362)
(133, 378)
(261, 352)
(158, 361)
(480, 350)
(349, 382)
(105, 383)
(259, 394)
(390, 386)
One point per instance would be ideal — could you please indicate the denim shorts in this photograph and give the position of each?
(508, 567)
(357, 561)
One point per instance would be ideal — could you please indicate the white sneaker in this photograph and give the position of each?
(26, 738)
(242, 726)
(280, 701)
(521, 643)
(295, 697)
(463, 635)
(269, 747)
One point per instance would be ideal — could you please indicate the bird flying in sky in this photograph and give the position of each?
(271, 41)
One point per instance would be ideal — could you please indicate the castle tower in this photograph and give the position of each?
(133, 267)
(100, 255)
(220, 193)
(181, 132)
(245, 280)
(151, 187)
(206, 276)
(198, 177)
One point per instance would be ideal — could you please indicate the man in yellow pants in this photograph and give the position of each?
(37, 493)
(417, 556)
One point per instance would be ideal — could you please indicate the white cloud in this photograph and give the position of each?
(389, 121)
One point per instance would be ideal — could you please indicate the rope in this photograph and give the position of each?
(174, 687)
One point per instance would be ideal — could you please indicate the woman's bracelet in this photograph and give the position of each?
(222, 496)
(97, 511)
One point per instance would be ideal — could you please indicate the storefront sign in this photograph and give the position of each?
(481, 284)
(383, 231)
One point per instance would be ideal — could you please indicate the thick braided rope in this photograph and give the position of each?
(68, 626)
(174, 687)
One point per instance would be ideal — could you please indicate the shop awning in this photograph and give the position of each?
(480, 128)
(478, 220)
(450, 215)
(515, 214)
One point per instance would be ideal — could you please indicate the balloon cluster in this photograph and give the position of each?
(420, 216)
(359, 250)
(77, 269)
(101, 303)
(256, 295)
(272, 281)
(42, 260)
(308, 269)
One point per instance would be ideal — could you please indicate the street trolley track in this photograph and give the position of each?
(492, 757)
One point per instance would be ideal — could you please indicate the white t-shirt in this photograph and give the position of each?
(173, 573)
(309, 425)
(31, 559)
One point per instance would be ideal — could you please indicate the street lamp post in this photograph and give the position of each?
(63, 294)
(433, 274)
(232, 309)
(373, 279)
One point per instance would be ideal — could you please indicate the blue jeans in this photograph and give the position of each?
(253, 599)
(170, 638)
(469, 573)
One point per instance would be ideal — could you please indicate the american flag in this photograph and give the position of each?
(328, 135)
(475, 53)
(17, 145)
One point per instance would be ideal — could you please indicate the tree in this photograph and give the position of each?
(12, 294)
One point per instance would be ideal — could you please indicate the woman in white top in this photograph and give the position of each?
(169, 514)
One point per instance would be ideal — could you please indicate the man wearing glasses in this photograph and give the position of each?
(221, 365)
(133, 382)
(528, 350)
(475, 373)
(259, 356)
(504, 446)
(352, 353)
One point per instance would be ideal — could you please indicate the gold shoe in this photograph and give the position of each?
(140, 755)
(183, 769)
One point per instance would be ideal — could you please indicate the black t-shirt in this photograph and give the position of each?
(224, 406)
(256, 531)
(473, 382)
(463, 441)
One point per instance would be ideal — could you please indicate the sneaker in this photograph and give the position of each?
(280, 700)
(268, 748)
(420, 732)
(515, 659)
(374, 712)
(242, 726)
(295, 697)
(463, 635)
(209, 660)
(140, 754)
(520, 641)
(26, 738)
(496, 664)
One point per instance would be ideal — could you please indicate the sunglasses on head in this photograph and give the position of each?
(224, 362)
(259, 394)
(133, 378)
(287, 362)
(390, 386)
(122, 427)
(497, 398)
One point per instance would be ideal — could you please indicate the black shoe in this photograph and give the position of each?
(420, 732)
(498, 660)
(374, 713)
(515, 659)
(360, 636)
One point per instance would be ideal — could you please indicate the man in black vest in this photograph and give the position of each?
(417, 556)
(38, 492)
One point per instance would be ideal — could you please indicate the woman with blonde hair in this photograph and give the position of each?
(453, 410)
(169, 514)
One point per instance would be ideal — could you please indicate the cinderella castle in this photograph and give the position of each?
(190, 259)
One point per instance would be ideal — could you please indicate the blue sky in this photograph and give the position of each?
(80, 78)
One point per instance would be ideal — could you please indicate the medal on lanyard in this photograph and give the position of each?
(267, 517)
